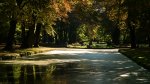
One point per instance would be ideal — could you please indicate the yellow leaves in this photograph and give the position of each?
(55, 6)
(112, 14)
(124, 16)
(87, 2)
(62, 7)
(67, 6)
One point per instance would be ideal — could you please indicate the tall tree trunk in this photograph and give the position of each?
(90, 44)
(116, 30)
(149, 40)
(44, 36)
(11, 33)
(131, 18)
(116, 36)
(37, 34)
(72, 34)
(132, 36)
(23, 35)
(30, 36)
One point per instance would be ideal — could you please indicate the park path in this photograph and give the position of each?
(87, 66)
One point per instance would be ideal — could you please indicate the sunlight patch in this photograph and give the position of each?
(140, 79)
(67, 52)
(38, 62)
(82, 51)
(125, 75)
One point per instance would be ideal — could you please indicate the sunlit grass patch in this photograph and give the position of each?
(94, 45)
(22, 52)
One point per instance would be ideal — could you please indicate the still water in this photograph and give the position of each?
(73, 66)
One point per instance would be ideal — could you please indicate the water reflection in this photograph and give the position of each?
(25, 74)
(35, 74)
(79, 68)
(70, 73)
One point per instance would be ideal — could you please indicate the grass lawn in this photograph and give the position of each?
(94, 45)
(140, 55)
(22, 52)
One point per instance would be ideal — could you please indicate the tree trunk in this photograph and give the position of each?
(23, 35)
(11, 33)
(30, 36)
(116, 36)
(149, 40)
(132, 36)
(72, 35)
(37, 34)
(131, 18)
(44, 36)
(116, 30)
(90, 44)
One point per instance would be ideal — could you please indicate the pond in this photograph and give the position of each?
(74, 66)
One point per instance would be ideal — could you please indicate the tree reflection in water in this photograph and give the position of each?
(96, 67)
(26, 74)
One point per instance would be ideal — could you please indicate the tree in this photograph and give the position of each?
(43, 13)
(135, 12)
(11, 7)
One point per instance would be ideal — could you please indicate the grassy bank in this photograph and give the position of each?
(141, 56)
(94, 45)
(8, 55)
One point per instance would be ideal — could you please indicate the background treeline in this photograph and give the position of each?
(61, 22)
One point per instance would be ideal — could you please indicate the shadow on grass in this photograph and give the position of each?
(140, 55)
